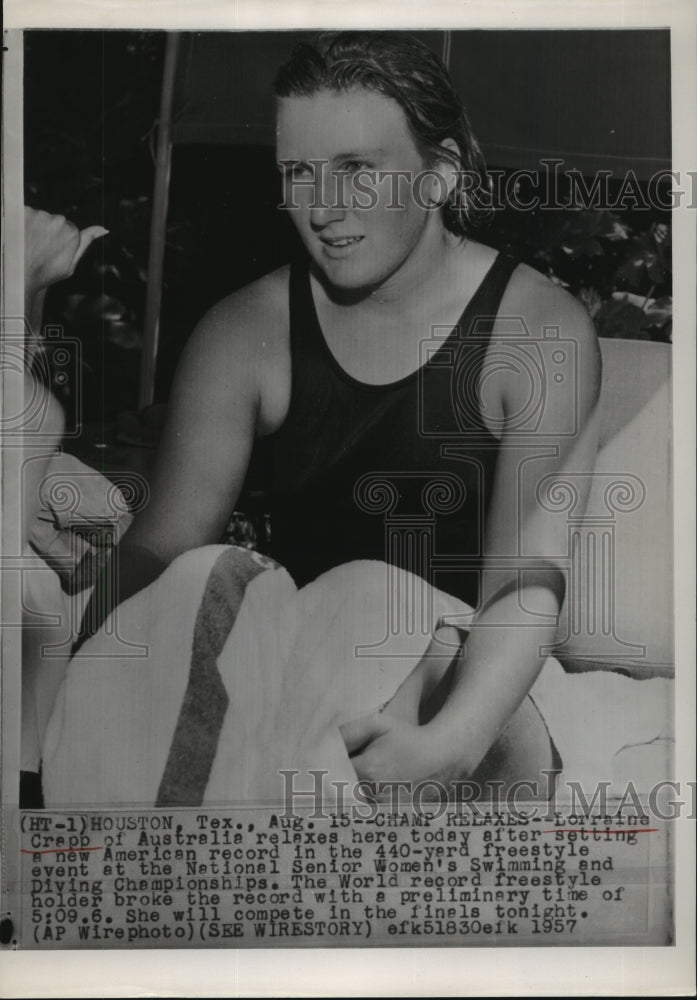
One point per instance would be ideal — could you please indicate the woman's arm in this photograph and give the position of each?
(206, 443)
(507, 647)
(519, 614)
(215, 406)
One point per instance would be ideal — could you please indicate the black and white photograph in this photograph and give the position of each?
(341, 482)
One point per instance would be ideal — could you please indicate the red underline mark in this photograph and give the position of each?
(643, 829)
(65, 850)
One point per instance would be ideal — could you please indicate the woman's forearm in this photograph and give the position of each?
(495, 670)
(129, 569)
(34, 308)
(34, 312)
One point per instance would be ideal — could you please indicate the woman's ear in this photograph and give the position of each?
(447, 167)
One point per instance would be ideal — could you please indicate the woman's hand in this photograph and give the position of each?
(389, 749)
(53, 247)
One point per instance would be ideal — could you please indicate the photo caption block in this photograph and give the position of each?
(259, 878)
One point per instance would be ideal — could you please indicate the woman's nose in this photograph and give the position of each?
(328, 204)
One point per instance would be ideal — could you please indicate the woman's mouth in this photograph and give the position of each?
(339, 246)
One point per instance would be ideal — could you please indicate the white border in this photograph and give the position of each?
(424, 972)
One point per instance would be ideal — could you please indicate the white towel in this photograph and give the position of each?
(241, 676)
(607, 728)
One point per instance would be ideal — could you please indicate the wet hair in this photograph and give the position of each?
(401, 67)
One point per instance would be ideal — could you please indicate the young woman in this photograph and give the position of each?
(402, 351)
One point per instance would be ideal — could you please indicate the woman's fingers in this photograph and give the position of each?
(53, 247)
(87, 237)
(419, 684)
(404, 703)
(357, 732)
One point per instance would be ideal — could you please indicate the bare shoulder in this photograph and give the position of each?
(549, 314)
(254, 317)
(242, 344)
(540, 303)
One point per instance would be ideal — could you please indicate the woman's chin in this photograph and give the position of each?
(354, 272)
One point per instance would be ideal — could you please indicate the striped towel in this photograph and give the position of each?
(206, 684)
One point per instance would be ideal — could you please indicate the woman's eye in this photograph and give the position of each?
(295, 171)
(354, 166)
(301, 172)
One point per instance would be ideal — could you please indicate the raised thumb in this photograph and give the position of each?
(87, 237)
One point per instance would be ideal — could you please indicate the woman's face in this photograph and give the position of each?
(334, 140)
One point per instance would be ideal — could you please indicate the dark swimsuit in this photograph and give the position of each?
(401, 472)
